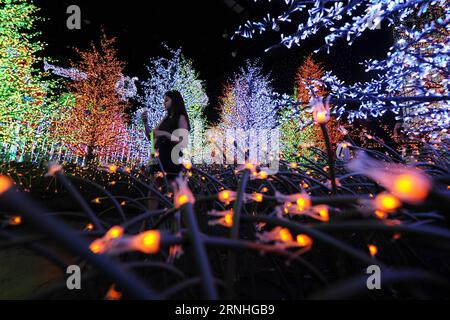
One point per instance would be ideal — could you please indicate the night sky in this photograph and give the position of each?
(203, 28)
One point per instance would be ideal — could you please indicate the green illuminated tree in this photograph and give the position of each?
(25, 107)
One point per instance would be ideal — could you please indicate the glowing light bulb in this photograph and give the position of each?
(115, 232)
(97, 246)
(148, 241)
(285, 235)
(323, 212)
(411, 186)
(226, 196)
(112, 168)
(257, 197)
(5, 184)
(15, 221)
(373, 249)
(113, 294)
(228, 219)
(304, 241)
(183, 199)
(303, 202)
(387, 202)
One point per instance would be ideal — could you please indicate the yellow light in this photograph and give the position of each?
(15, 221)
(285, 235)
(411, 186)
(115, 232)
(373, 249)
(303, 202)
(188, 165)
(387, 202)
(5, 184)
(263, 175)
(148, 241)
(320, 117)
(96, 200)
(112, 168)
(97, 246)
(249, 166)
(89, 227)
(381, 214)
(322, 211)
(224, 196)
(258, 197)
(228, 219)
(303, 240)
(183, 199)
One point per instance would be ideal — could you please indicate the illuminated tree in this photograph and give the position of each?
(405, 59)
(25, 106)
(248, 106)
(164, 74)
(298, 133)
(95, 126)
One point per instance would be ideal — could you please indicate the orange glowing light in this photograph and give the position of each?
(285, 235)
(411, 186)
(148, 241)
(225, 195)
(304, 241)
(97, 246)
(303, 202)
(373, 249)
(113, 294)
(228, 219)
(112, 168)
(321, 111)
(96, 200)
(188, 165)
(89, 227)
(258, 197)
(5, 184)
(183, 199)
(387, 202)
(249, 166)
(15, 221)
(263, 175)
(381, 214)
(115, 232)
(320, 117)
(323, 212)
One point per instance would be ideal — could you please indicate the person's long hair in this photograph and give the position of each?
(178, 107)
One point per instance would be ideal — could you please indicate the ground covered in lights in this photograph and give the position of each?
(296, 237)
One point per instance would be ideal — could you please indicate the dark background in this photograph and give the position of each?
(203, 28)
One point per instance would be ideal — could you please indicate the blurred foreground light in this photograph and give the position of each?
(373, 250)
(115, 232)
(304, 241)
(147, 242)
(15, 221)
(5, 184)
(387, 202)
